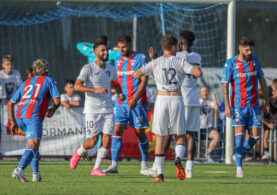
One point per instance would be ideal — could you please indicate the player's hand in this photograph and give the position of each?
(50, 112)
(267, 108)
(101, 90)
(271, 125)
(121, 96)
(213, 95)
(152, 53)
(132, 103)
(14, 127)
(227, 110)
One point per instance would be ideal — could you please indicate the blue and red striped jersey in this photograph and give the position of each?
(243, 76)
(34, 95)
(125, 70)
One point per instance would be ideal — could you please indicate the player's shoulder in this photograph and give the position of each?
(15, 72)
(255, 59)
(231, 61)
(140, 56)
(110, 67)
(50, 79)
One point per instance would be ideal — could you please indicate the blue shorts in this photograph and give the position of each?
(246, 116)
(137, 117)
(31, 127)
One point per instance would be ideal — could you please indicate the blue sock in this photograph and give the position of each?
(35, 162)
(116, 148)
(26, 157)
(239, 149)
(249, 143)
(144, 148)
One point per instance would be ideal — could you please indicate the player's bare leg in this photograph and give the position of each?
(190, 153)
(159, 157)
(143, 146)
(116, 148)
(82, 151)
(180, 152)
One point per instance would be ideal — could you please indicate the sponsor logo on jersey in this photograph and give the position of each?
(247, 74)
(126, 73)
(108, 73)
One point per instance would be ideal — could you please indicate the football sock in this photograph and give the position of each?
(239, 149)
(116, 149)
(189, 165)
(99, 143)
(81, 150)
(249, 143)
(144, 148)
(266, 150)
(35, 162)
(180, 151)
(27, 157)
(101, 154)
(159, 161)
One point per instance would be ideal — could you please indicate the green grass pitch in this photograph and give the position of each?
(58, 178)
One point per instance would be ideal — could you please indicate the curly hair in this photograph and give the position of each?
(40, 67)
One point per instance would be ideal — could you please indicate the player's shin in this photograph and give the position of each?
(101, 155)
(116, 149)
(35, 163)
(27, 157)
(249, 143)
(239, 149)
(144, 148)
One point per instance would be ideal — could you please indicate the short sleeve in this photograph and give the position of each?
(227, 73)
(115, 77)
(18, 94)
(18, 79)
(83, 76)
(63, 98)
(142, 61)
(148, 68)
(187, 67)
(77, 97)
(53, 89)
(260, 73)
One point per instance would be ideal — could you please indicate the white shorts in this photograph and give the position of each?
(99, 123)
(192, 118)
(169, 112)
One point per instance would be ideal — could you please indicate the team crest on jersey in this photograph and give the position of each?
(132, 63)
(108, 73)
(237, 120)
(254, 64)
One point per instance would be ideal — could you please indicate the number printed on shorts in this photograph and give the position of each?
(89, 124)
(170, 75)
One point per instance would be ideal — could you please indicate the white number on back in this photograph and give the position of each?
(29, 89)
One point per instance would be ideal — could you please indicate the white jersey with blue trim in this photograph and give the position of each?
(168, 72)
(189, 87)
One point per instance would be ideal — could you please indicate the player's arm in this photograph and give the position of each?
(143, 82)
(197, 72)
(79, 86)
(265, 92)
(138, 74)
(66, 104)
(116, 86)
(12, 116)
(225, 87)
(75, 103)
(50, 112)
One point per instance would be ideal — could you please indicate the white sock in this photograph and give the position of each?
(81, 151)
(144, 165)
(239, 169)
(189, 165)
(114, 163)
(159, 164)
(101, 154)
(180, 151)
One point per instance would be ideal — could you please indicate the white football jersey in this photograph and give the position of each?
(9, 83)
(189, 86)
(94, 76)
(168, 72)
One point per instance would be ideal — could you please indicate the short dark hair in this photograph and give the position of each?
(98, 43)
(7, 58)
(101, 38)
(124, 39)
(246, 41)
(188, 36)
(69, 81)
(169, 41)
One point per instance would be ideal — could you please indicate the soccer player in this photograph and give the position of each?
(33, 97)
(169, 72)
(95, 79)
(243, 72)
(134, 108)
(190, 96)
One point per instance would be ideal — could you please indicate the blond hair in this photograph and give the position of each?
(40, 67)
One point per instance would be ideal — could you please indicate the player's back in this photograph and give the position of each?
(168, 72)
(34, 96)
